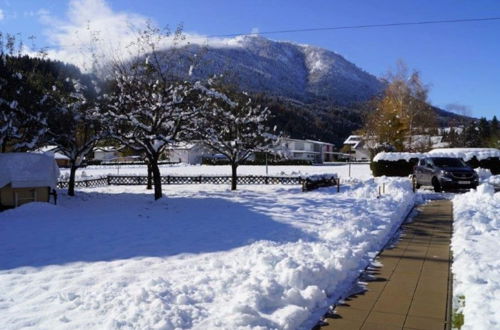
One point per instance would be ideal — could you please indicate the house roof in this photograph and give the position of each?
(52, 151)
(184, 145)
(26, 170)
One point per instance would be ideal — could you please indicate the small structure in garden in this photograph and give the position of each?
(26, 177)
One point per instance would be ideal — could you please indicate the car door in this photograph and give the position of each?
(420, 171)
(428, 172)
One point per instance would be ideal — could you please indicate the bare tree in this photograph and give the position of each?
(75, 125)
(234, 128)
(147, 108)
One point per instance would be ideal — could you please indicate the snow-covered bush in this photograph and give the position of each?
(394, 163)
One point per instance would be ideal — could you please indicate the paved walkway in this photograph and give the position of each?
(410, 290)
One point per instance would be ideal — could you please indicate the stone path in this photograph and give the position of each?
(412, 288)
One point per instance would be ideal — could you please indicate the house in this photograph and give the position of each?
(187, 152)
(61, 159)
(26, 177)
(357, 147)
(325, 149)
(106, 153)
(315, 151)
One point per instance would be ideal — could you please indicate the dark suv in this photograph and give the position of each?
(444, 173)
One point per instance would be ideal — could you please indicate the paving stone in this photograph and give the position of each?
(410, 290)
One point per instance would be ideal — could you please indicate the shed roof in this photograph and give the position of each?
(26, 170)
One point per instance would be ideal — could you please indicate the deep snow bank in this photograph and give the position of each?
(476, 257)
(262, 257)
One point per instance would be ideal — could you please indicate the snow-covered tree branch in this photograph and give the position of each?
(75, 125)
(234, 128)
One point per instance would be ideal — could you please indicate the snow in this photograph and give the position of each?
(395, 156)
(476, 262)
(466, 153)
(261, 257)
(358, 171)
(24, 170)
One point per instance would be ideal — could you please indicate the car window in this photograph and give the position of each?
(449, 162)
(422, 162)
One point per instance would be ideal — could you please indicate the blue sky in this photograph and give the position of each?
(460, 62)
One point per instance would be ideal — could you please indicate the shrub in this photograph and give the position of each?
(393, 168)
(492, 163)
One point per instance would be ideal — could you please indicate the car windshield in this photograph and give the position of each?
(448, 162)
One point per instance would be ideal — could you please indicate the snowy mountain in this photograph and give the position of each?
(305, 73)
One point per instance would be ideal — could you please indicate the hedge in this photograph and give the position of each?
(393, 168)
(405, 168)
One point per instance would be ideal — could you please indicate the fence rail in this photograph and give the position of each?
(130, 180)
(89, 183)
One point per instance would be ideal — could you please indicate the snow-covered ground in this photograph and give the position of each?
(359, 171)
(476, 261)
(262, 257)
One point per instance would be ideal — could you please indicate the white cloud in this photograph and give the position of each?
(255, 30)
(87, 20)
(2, 16)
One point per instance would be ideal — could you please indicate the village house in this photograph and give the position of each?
(26, 177)
(106, 153)
(315, 151)
(191, 152)
(61, 159)
(356, 146)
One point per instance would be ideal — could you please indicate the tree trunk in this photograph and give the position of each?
(234, 176)
(153, 161)
(150, 177)
(71, 183)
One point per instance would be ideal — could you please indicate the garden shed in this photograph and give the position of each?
(26, 177)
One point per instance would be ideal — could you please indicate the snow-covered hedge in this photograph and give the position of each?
(476, 257)
(402, 163)
(394, 163)
(467, 154)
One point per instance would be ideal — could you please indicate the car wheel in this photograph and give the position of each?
(436, 185)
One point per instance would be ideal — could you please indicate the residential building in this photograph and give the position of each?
(187, 152)
(311, 150)
(357, 147)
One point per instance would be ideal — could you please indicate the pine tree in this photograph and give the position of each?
(484, 132)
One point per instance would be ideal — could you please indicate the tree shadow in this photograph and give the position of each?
(103, 227)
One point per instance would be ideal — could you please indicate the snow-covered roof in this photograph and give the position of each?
(320, 142)
(184, 145)
(466, 153)
(52, 151)
(353, 139)
(24, 170)
(106, 149)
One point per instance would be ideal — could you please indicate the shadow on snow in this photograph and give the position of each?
(103, 227)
